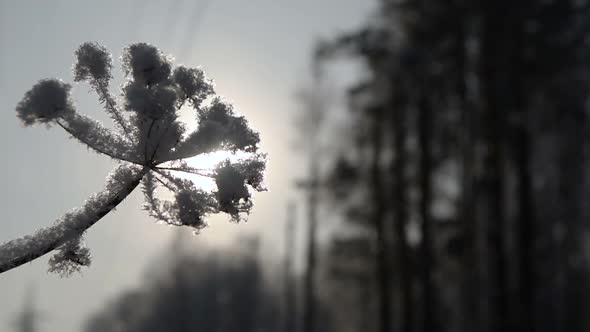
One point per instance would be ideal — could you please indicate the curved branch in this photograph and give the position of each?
(28, 248)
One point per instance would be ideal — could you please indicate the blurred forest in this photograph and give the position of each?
(465, 167)
(206, 291)
(459, 182)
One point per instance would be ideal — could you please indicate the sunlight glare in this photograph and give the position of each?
(207, 162)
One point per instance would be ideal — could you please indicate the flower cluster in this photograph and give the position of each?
(149, 135)
(47, 101)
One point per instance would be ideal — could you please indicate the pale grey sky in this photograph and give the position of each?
(257, 52)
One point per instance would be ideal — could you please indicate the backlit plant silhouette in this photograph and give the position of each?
(150, 144)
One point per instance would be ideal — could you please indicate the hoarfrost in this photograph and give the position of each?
(149, 143)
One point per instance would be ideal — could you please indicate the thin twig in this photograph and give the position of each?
(167, 176)
(152, 200)
(159, 141)
(167, 185)
(148, 139)
(102, 91)
(186, 170)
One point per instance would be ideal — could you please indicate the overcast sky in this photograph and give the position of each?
(256, 51)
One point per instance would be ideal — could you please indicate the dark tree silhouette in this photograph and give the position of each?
(483, 161)
(209, 292)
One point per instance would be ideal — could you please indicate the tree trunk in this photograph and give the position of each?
(523, 318)
(493, 76)
(426, 242)
(400, 203)
(471, 266)
(379, 209)
(289, 311)
(309, 319)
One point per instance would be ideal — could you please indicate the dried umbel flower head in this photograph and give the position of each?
(193, 83)
(47, 100)
(150, 144)
(146, 64)
(93, 63)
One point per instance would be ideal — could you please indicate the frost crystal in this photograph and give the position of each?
(149, 142)
(70, 258)
(232, 193)
(192, 205)
(154, 103)
(234, 181)
(93, 63)
(146, 64)
(219, 128)
(193, 84)
(46, 101)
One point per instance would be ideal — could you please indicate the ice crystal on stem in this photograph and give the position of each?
(149, 143)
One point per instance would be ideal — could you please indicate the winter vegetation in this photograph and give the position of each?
(150, 145)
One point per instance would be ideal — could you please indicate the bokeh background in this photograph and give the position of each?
(257, 53)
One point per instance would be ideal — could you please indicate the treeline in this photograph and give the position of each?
(463, 172)
(197, 290)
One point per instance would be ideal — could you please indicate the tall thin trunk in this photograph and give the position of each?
(426, 244)
(469, 283)
(525, 225)
(399, 188)
(525, 229)
(571, 166)
(382, 266)
(289, 311)
(310, 275)
(492, 190)
(365, 292)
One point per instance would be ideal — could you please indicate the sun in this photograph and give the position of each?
(207, 163)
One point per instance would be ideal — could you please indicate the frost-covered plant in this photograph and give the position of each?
(149, 143)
